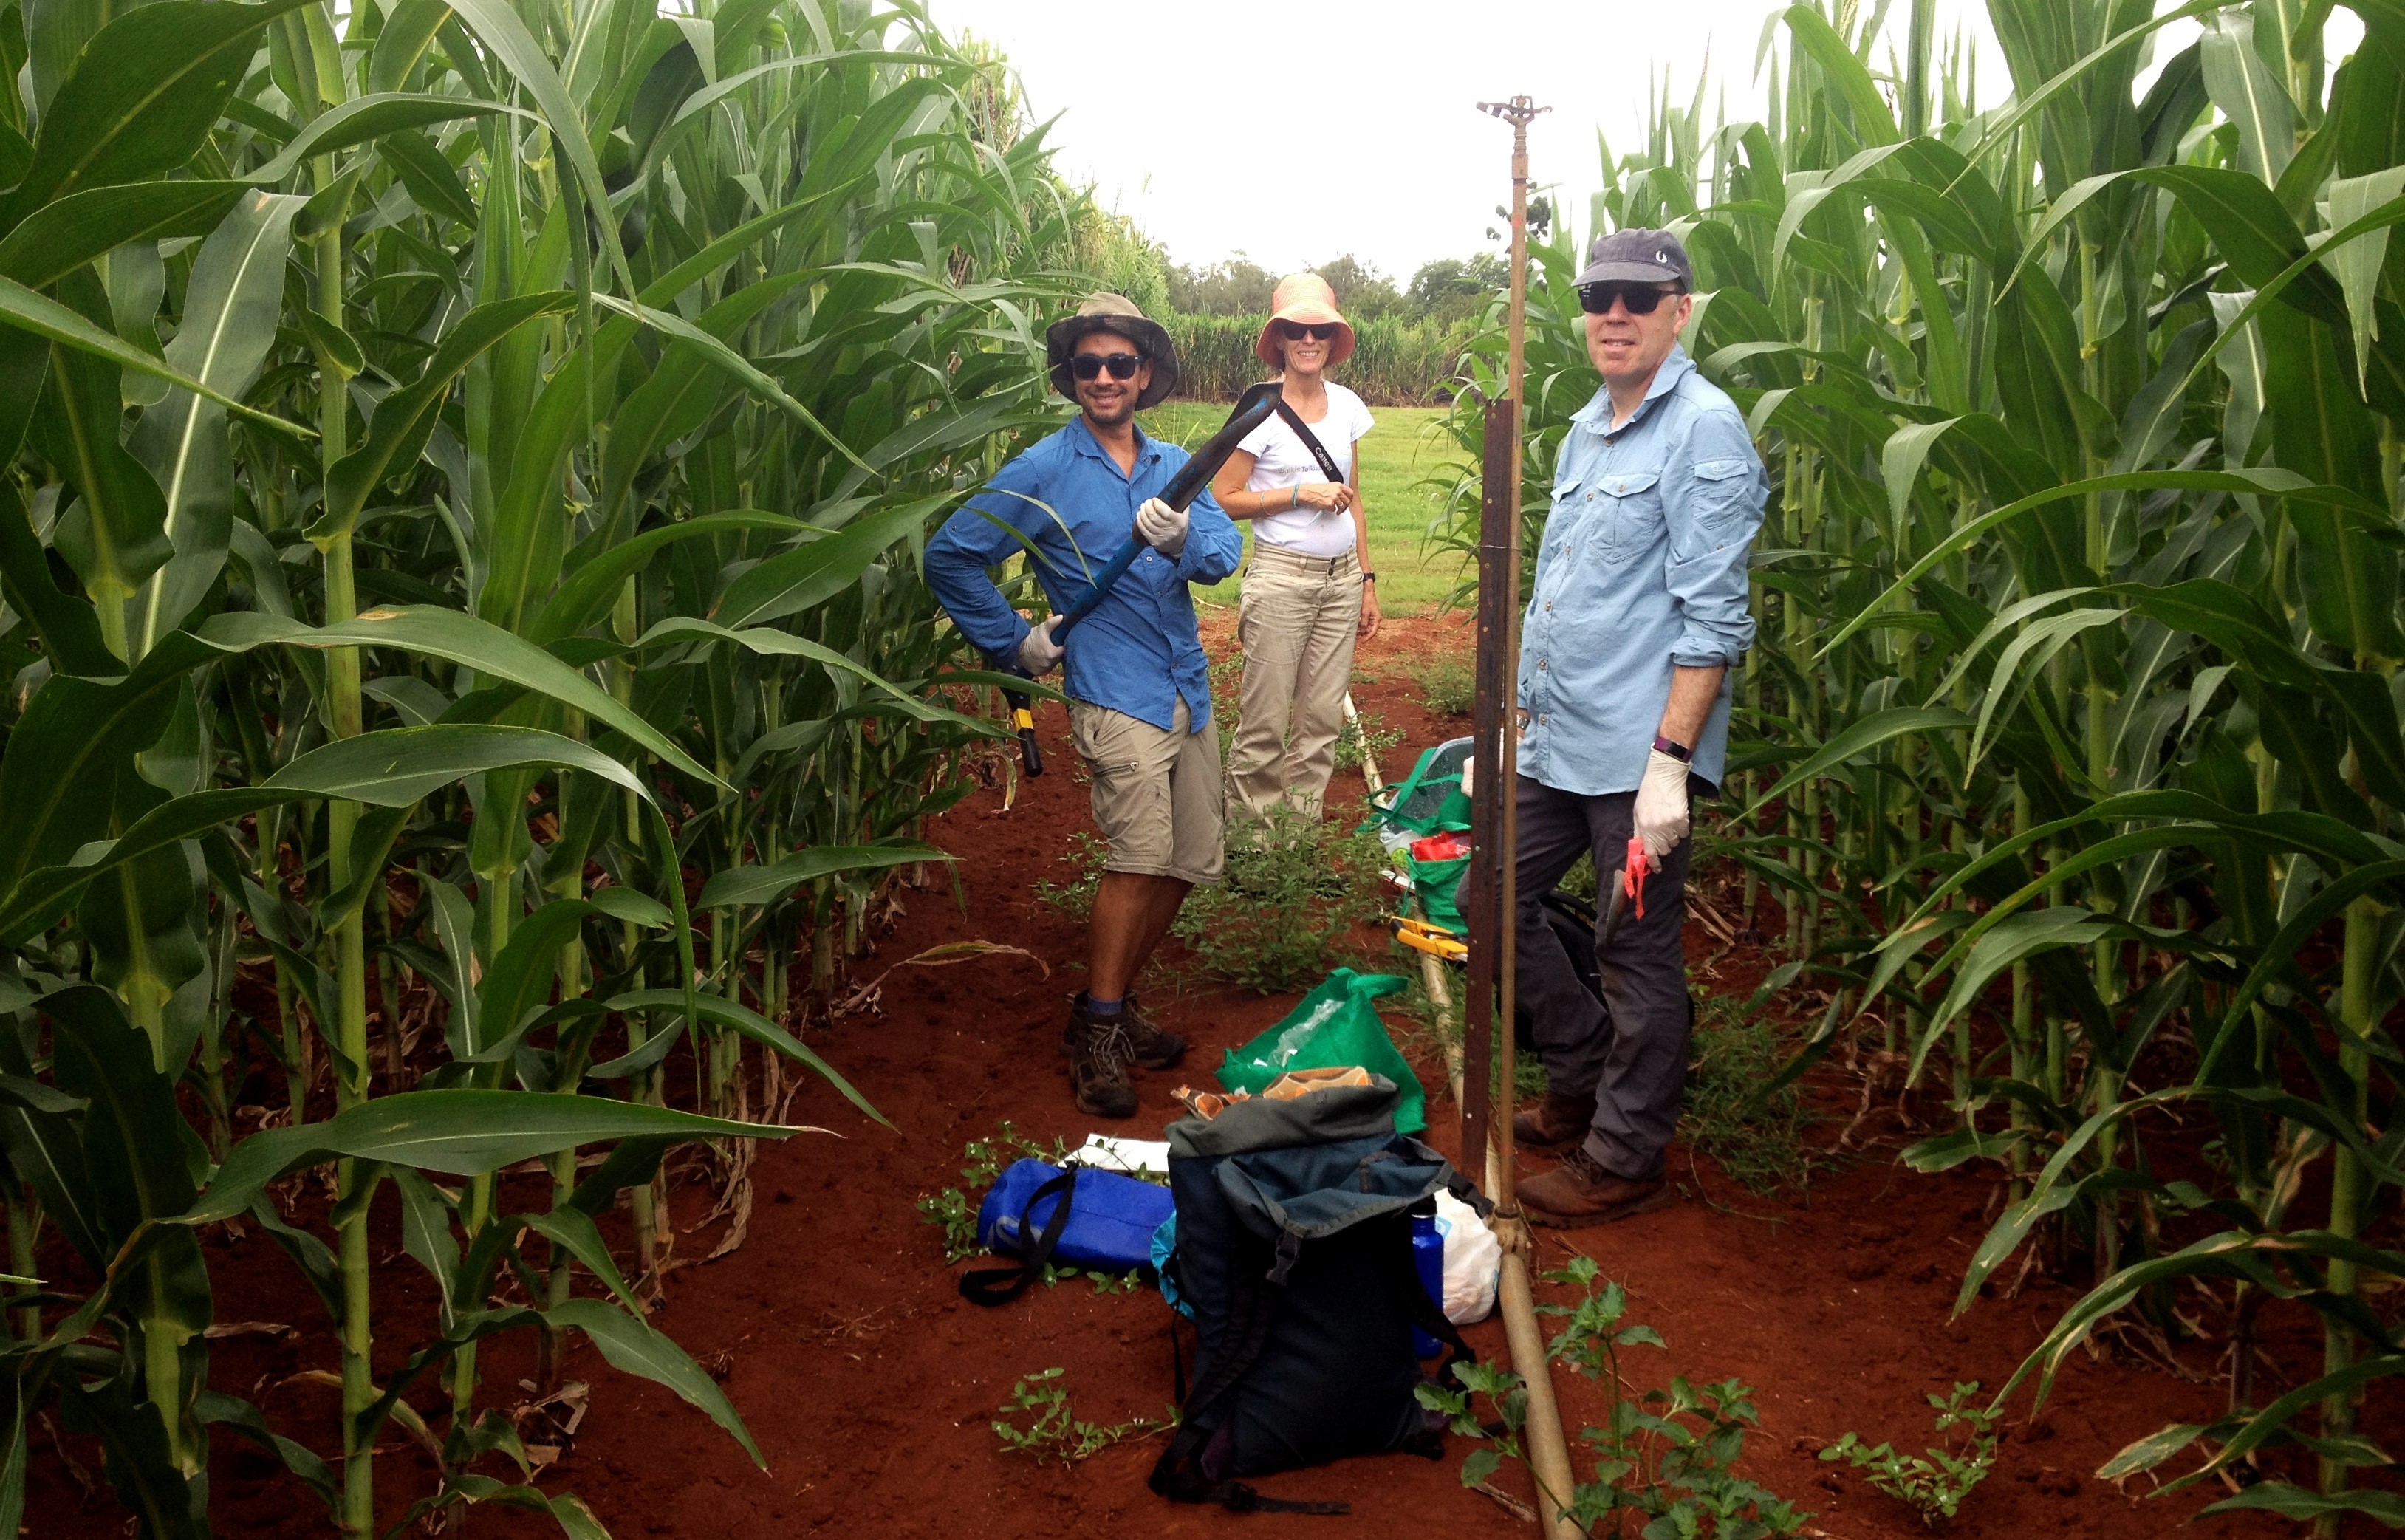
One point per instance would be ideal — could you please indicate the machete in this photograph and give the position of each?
(1253, 408)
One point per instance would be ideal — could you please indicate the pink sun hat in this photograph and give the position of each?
(1304, 297)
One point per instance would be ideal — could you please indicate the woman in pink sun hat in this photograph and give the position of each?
(1308, 592)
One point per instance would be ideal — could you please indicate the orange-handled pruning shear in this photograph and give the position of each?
(1629, 890)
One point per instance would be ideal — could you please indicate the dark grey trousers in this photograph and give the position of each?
(1629, 1053)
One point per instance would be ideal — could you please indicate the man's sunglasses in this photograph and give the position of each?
(1090, 366)
(1295, 331)
(1641, 298)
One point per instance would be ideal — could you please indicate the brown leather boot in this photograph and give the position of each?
(1098, 1061)
(1579, 1192)
(1150, 1045)
(1552, 1121)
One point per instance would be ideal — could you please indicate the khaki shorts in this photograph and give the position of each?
(1158, 797)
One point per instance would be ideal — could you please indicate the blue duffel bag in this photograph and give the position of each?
(1070, 1216)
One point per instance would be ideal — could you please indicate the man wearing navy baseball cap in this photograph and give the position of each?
(1638, 615)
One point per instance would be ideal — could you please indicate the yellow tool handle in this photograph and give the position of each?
(1436, 943)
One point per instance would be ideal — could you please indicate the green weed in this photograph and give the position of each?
(954, 1212)
(1933, 1487)
(1074, 899)
(1667, 1456)
(1448, 687)
(1579, 881)
(1053, 1432)
(1382, 739)
(1284, 918)
(1758, 1139)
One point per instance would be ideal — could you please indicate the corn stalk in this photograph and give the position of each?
(2069, 745)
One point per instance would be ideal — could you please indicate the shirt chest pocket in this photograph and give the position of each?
(1628, 504)
(1565, 521)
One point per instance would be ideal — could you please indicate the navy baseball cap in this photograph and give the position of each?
(1638, 257)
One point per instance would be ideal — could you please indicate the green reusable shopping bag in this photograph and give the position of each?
(1438, 886)
(1335, 1024)
(1428, 801)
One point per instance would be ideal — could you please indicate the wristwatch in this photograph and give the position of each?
(1673, 747)
(1368, 577)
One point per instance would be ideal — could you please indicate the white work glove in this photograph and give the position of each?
(1162, 527)
(1661, 813)
(1038, 653)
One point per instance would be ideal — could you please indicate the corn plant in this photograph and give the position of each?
(2070, 749)
(464, 466)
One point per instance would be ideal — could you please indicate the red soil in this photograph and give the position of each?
(870, 1385)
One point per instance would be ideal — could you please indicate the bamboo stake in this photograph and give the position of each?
(1548, 1460)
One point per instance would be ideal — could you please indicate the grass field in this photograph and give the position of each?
(1405, 449)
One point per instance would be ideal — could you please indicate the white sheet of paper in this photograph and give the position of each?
(1105, 1153)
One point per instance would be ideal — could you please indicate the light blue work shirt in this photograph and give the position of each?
(1642, 568)
(1138, 651)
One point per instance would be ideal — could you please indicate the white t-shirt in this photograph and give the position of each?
(1280, 461)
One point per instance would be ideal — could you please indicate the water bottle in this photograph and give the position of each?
(1428, 1260)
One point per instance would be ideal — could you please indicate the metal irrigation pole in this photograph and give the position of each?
(1497, 777)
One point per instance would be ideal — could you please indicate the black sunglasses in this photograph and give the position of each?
(1641, 298)
(1295, 331)
(1090, 366)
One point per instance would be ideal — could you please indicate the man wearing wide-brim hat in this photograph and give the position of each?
(1637, 616)
(1138, 683)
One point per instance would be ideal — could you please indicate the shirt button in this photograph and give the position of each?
(1541, 663)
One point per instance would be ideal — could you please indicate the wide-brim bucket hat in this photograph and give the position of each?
(1108, 312)
(1306, 298)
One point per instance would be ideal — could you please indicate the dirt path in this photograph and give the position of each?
(871, 1386)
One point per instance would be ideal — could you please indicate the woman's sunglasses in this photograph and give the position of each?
(1090, 366)
(1295, 331)
(1641, 298)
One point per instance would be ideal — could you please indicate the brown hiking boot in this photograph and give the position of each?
(1579, 1192)
(1098, 1060)
(1150, 1045)
(1553, 1120)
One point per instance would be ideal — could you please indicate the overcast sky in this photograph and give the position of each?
(1298, 129)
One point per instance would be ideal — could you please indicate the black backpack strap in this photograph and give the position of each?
(1178, 1474)
(1001, 1285)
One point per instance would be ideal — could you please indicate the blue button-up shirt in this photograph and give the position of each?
(1642, 568)
(1138, 651)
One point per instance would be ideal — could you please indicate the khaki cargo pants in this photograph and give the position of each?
(1297, 623)
(1157, 798)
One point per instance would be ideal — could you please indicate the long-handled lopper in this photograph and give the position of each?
(1022, 716)
(1253, 408)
